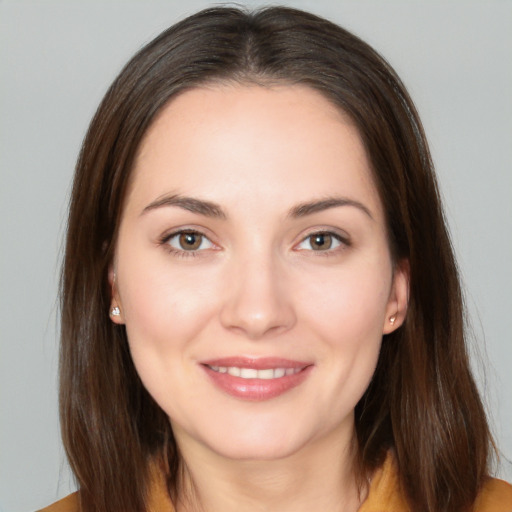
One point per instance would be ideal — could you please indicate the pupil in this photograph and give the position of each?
(190, 241)
(321, 241)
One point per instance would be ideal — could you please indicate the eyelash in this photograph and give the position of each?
(182, 253)
(344, 242)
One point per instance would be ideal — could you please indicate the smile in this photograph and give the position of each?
(256, 379)
(252, 373)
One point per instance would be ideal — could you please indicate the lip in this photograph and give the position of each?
(254, 389)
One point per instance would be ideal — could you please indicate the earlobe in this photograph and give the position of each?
(115, 312)
(398, 299)
(116, 316)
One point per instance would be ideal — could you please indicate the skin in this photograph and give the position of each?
(257, 287)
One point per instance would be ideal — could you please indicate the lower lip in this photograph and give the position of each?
(256, 390)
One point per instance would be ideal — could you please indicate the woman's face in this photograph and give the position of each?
(253, 272)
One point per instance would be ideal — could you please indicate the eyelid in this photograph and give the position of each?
(342, 237)
(164, 239)
(187, 228)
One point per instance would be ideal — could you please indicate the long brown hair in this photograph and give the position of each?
(422, 401)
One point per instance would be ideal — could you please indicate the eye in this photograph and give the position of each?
(321, 241)
(188, 241)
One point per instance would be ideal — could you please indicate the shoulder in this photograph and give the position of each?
(385, 493)
(68, 504)
(158, 496)
(495, 496)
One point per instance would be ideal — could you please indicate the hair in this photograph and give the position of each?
(422, 402)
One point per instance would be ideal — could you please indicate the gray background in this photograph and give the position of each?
(56, 60)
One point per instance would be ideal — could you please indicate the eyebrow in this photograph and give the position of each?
(213, 210)
(309, 208)
(200, 206)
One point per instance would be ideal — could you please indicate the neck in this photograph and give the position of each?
(320, 476)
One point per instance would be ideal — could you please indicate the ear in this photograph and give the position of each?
(396, 308)
(116, 310)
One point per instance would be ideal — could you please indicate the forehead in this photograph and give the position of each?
(231, 141)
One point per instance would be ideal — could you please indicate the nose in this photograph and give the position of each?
(258, 300)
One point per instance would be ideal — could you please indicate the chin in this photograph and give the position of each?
(262, 450)
(263, 438)
(244, 437)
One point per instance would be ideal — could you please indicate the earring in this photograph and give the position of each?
(115, 311)
(392, 319)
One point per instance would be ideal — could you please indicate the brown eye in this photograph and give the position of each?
(190, 241)
(321, 241)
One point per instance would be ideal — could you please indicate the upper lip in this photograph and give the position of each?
(257, 363)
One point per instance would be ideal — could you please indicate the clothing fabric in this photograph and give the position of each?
(384, 495)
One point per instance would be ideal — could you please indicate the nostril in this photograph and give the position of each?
(256, 323)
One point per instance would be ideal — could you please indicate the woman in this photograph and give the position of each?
(260, 305)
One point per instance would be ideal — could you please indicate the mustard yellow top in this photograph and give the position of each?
(384, 495)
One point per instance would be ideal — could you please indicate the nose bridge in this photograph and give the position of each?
(258, 300)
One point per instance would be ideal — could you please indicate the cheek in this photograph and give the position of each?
(166, 311)
(164, 307)
(347, 303)
(346, 311)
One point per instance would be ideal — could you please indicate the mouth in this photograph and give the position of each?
(256, 379)
(253, 373)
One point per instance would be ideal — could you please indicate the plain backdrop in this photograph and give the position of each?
(57, 59)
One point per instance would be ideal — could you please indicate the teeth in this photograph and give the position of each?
(279, 372)
(252, 373)
(265, 374)
(248, 373)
